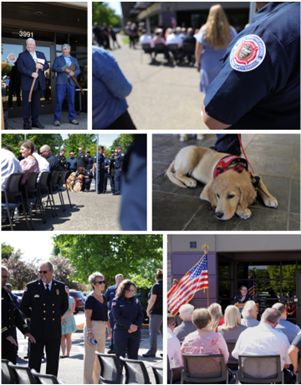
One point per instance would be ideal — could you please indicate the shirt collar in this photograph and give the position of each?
(49, 285)
(267, 9)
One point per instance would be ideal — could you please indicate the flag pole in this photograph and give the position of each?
(206, 252)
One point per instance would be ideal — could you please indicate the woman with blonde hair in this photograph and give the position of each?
(232, 327)
(211, 45)
(204, 340)
(216, 313)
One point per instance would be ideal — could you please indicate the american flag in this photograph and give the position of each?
(252, 285)
(194, 280)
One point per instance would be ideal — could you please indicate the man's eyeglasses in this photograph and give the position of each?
(100, 282)
(42, 152)
(44, 271)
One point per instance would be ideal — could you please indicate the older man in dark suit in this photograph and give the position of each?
(65, 85)
(28, 63)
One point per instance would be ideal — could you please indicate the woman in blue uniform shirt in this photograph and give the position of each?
(128, 316)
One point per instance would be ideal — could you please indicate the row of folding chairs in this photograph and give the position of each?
(178, 53)
(20, 374)
(29, 195)
(211, 368)
(135, 371)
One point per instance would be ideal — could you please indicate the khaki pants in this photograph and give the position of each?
(91, 362)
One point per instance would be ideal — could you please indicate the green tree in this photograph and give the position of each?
(125, 140)
(14, 140)
(102, 13)
(20, 272)
(74, 141)
(6, 251)
(131, 255)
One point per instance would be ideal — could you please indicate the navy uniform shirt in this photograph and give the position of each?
(107, 163)
(90, 162)
(62, 160)
(82, 160)
(119, 159)
(100, 162)
(72, 164)
(54, 163)
(110, 295)
(45, 310)
(126, 311)
(259, 83)
(239, 297)
(10, 316)
(297, 341)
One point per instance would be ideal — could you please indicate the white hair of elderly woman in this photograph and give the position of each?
(249, 305)
(186, 312)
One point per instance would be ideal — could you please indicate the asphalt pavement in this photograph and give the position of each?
(71, 369)
(164, 96)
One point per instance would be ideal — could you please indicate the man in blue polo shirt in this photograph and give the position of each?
(259, 83)
(71, 163)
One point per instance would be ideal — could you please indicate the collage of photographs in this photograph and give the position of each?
(166, 255)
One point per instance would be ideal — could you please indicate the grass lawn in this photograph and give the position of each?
(126, 40)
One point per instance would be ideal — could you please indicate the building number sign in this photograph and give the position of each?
(25, 34)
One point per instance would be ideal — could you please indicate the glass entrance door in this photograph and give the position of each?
(11, 78)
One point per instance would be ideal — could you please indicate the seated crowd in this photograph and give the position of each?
(182, 41)
(206, 331)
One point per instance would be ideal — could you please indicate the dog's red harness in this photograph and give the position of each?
(231, 162)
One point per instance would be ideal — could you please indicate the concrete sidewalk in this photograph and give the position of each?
(164, 96)
(89, 212)
(47, 121)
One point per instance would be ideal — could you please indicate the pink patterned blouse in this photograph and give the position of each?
(210, 343)
(29, 165)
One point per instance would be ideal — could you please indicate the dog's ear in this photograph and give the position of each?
(208, 194)
(247, 193)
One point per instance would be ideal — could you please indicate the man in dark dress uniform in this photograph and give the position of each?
(62, 159)
(112, 171)
(243, 297)
(99, 166)
(44, 302)
(118, 170)
(10, 317)
(82, 160)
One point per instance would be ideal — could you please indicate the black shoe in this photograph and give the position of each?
(37, 125)
(25, 357)
(26, 127)
(111, 351)
(148, 355)
(116, 194)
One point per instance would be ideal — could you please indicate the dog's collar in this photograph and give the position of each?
(230, 162)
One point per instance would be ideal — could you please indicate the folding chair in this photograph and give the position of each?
(32, 195)
(135, 372)
(7, 374)
(188, 49)
(23, 374)
(174, 50)
(146, 48)
(232, 362)
(13, 189)
(45, 378)
(53, 187)
(160, 48)
(61, 181)
(259, 370)
(158, 373)
(110, 372)
(204, 369)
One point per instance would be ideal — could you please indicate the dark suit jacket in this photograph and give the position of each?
(62, 77)
(45, 311)
(26, 66)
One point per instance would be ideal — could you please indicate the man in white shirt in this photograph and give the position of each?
(265, 340)
(174, 349)
(173, 38)
(43, 164)
(288, 328)
(146, 39)
(9, 165)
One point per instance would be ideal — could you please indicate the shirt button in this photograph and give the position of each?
(44, 311)
(44, 319)
(53, 319)
(44, 304)
(53, 304)
(53, 311)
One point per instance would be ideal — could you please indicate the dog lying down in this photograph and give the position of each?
(230, 187)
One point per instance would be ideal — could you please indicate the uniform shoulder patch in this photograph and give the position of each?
(122, 154)
(248, 53)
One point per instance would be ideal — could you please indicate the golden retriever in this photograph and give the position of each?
(80, 180)
(70, 181)
(229, 193)
(184, 137)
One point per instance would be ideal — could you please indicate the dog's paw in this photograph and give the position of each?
(191, 183)
(246, 214)
(183, 137)
(200, 137)
(271, 202)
